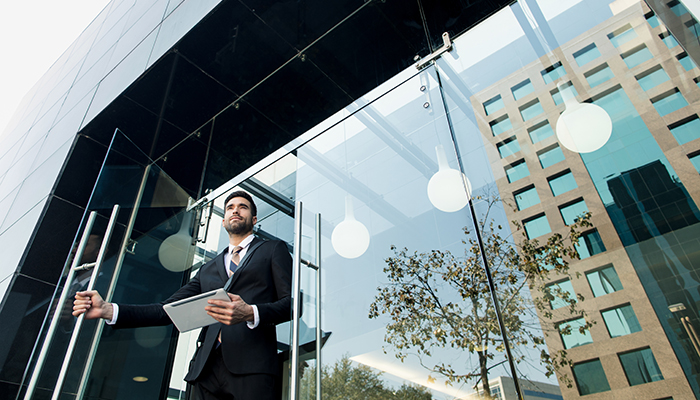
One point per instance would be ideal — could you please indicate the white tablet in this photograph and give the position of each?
(189, 313)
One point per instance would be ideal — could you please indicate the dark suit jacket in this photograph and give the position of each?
(263, 279)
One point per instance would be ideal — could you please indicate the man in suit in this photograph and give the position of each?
(237, 357)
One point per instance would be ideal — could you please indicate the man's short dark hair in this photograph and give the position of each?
(240, 193)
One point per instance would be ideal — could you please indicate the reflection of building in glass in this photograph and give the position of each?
(642, 188)
(319, 104)
(502, 388)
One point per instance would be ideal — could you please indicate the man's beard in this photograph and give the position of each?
(243, 226)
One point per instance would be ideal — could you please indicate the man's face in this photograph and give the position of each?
(238, 218)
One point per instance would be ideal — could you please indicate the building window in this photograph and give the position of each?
(526, 198)
(517, 170)
(695, 160)
(508, 147)
(640, 367)
(563, 293)
(556, 95)
(540, 131)
(537, 226)
(562, 182)
(685, 61)
(668, 40)
(572, 211)
(604, 281)
(586, 54)
(550, 156)
(652, 20)
(636, 56)
(669, 102)
(553, 73)
(493, 105)
(590, 377)
(531, 110)
(522, 89)
(622, 35)
(589, 244)
(677, 8)
(652, 78)
(599, 75)
(500, 125)
(621, 321)
(572, 335)
(686, 130)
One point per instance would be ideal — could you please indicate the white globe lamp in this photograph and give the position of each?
(582, 127)
(350, 238)
(449, 190)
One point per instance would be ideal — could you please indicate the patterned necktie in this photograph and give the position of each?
(235, 260)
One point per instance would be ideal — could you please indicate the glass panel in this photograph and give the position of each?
(516, 171)
(652, 78)
(537, 226)
(493, 105)
(550, 156)
(570, 213)
(640, 367)
(562, 183)
(143, 277)
(669, 103)
(531, 110)
(571, 334)
(522, 89)
(590, 377)
(599, 75)
(540, 131)
(508, 147)
(687, 130)
(589, 245)
(586, 54)
(622, 35)
(637, 56)
(563, 293)
(358, 181)
(604, 281)
(527, 198)
(621, 321)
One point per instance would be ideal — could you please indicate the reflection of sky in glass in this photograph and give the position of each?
(551, 156)
(556, 95)
(564, 287)
(669, 40)
(527, 198)
(653, 21)
(562, 184)
(621, 321)
(531, 111)
(493, 105)
(508, 147)
(604, 281)
(687, 62)
(522, 89)
(517, 171)
(537, 227)
(573, 211)
(695, 160)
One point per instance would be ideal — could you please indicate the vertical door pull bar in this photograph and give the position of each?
(79, 322)
(319, 332)
(296, 307)
(75, 265)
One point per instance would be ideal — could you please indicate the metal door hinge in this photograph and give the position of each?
(446, 46)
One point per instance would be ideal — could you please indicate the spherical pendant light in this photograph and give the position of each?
(446, 189)
(582, 127)
(350, 238)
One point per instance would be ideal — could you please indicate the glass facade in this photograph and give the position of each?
(347, 120)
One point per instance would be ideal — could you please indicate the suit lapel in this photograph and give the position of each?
(220, 267)
(248, 255)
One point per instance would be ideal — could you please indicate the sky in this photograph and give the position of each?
(33, 35)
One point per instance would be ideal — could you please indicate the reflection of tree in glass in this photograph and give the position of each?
(344, 381)
(436, 299)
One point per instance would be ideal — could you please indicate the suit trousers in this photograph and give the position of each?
(216, 382)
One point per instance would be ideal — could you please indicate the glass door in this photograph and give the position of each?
(146, 257)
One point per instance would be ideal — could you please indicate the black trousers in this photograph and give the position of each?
(217, 383)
